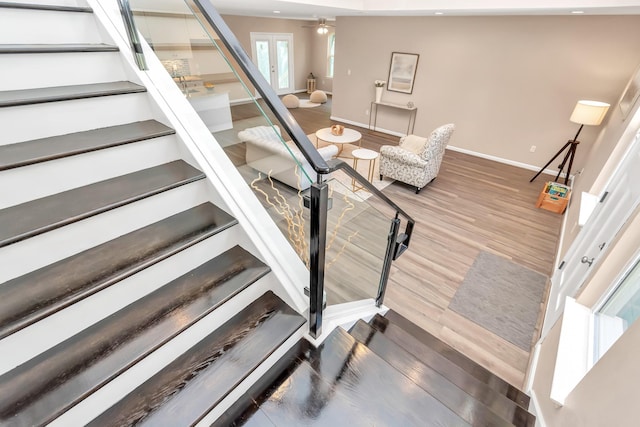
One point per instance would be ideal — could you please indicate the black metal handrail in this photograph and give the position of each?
(298, 136)
(293, 129)
(319, 192)
(337, 164)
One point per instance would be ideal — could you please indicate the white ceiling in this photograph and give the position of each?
(330, 9)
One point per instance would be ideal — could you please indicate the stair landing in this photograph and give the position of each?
(365, 378)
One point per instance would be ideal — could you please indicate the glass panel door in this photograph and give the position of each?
(282, 56)
(263, 61)
(273, 54)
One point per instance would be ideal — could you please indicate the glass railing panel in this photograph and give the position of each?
(356, 242)
(246, 128)
(223, 97)
(356, 238)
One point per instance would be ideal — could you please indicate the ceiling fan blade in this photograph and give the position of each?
(322, 22)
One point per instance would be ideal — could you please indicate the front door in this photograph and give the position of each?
(273, 55)
(608, 218)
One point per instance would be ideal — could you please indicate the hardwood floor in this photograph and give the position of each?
(474, 205)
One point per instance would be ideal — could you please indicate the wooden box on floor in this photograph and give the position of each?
(554, 197)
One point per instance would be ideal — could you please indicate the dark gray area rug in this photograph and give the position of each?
(501, 296)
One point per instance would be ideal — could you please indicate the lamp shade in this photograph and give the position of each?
(589, 112)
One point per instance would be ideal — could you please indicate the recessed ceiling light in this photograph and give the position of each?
(577, 12)
(276, 11)
(439, 13)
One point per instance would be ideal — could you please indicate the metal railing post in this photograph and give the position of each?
(317, 244)
(388, 257)
(132, 32)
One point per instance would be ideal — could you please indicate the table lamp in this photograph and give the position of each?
(588, 113)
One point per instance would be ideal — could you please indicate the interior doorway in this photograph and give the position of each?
(273, 55)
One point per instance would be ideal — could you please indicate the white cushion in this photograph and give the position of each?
(260, 132)
(413, 143)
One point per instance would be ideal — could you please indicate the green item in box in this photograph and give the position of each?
(559, 190)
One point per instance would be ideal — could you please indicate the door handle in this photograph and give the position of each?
(586, 260)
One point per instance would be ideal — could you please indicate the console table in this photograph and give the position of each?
(413, 111)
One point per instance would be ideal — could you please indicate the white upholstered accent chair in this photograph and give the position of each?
(416, 160)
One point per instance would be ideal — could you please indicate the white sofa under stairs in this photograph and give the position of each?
(266, 152)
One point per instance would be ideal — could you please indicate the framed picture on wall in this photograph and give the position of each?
(631, 94)
(402, 71)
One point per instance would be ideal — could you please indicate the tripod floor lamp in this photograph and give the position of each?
(588, 113)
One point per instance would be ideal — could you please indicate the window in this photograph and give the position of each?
(617, 313)
(331, 51)
(586, 334)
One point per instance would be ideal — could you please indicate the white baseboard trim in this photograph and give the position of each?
(366, 125)
(240, 101)
(502, 160)
(305, 91)
(452, 148)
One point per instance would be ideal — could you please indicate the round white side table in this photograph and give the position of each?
(366, 155)
(349, 136)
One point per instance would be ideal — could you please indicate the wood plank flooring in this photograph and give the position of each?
(474, 205)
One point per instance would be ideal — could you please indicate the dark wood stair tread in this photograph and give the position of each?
(45, 149)
(463, 404)
(57, 48)
(496, 401)
(253, 416)
(460, 359)
(189, 387)
(41, 215)
(245, 411)
(47, 385)
(343, 383)
(11, 5)
(13, 98)
(29, 298)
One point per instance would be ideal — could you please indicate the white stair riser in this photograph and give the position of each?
(29, 122)
(106, 396)
(22, 257)
(20, 185)
(24, 26)
(62, 69)
(33, 340)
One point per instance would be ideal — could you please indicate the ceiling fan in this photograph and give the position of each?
(321, 27)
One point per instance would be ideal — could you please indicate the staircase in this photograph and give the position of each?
(128, 292)
(131, 294)
(393, 372)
